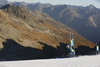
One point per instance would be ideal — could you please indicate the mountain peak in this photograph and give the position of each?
(91, 6)
(6, 6)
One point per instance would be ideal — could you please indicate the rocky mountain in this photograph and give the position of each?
(26, 34)
(84, 20)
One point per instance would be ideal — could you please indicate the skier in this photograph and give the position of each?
(71, 52)
(97, 48)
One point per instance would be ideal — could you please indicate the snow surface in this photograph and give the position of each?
(82, 61)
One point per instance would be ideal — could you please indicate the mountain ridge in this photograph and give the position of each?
(31, 16)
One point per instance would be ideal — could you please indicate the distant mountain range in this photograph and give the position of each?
(84, 20)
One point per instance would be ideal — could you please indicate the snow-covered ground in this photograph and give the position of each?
(82, 61)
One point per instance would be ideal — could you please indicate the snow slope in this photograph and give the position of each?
(84, 61)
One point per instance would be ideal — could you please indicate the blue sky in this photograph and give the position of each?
(71, 2)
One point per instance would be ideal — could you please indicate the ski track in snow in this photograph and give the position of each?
(82, 61)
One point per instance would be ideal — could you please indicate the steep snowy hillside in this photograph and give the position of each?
(85, 61)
